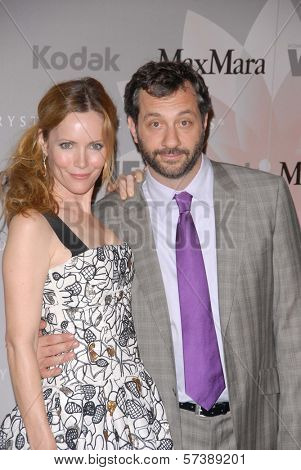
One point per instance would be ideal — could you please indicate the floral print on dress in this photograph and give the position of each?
(104, 397)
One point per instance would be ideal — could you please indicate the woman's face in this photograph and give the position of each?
(76, 153)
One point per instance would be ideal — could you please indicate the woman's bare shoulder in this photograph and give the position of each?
(29, 229)
(30, 221)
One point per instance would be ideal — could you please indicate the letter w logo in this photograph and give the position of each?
(295, 62)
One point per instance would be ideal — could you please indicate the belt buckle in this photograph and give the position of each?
(199, 411)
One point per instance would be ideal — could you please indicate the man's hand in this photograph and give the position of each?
(125, 185)
(49, 346)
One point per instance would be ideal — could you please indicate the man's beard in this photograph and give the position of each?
(168, 169)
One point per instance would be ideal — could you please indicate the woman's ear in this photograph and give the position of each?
(42, 142)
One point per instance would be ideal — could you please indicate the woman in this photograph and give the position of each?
(62, 264)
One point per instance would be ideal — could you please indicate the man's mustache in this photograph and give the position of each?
(171, 151)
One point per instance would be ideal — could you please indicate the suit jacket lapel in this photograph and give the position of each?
(148, 272)
(230, 215)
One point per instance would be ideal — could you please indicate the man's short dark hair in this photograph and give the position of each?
(162, 79)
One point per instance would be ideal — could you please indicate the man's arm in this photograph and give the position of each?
(287, 317)
(54, 350)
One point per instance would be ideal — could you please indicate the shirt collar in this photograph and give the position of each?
(201, 187)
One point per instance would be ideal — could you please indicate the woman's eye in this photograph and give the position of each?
(66, 145)
(96, 146)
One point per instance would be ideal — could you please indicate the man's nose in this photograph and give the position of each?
(171, 138)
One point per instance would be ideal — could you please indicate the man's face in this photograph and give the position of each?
(170, 133)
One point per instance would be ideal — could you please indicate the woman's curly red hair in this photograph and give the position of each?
(26, 183)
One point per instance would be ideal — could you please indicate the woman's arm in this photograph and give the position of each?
(25, 266)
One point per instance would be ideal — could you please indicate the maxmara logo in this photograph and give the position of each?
(293, 176)
(294, 55)
(219, 63)
(44, 56)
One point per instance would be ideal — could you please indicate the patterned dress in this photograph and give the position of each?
(104, 398)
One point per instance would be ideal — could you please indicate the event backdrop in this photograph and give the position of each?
(249, 53)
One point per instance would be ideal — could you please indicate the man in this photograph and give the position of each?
(243, 286)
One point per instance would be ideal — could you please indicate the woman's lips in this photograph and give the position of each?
(80, 176)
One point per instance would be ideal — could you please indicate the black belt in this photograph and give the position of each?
(217, 409)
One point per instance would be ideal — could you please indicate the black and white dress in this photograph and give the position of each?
(104, 398)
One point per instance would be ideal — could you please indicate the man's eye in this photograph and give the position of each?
(97, 146)
(155, 124)
(66, 145)
(185, 123)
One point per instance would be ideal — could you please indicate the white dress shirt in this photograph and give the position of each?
(164, 214)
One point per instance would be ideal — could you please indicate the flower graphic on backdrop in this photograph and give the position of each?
(257, 116)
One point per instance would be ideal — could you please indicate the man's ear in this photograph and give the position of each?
(42, 142)
(205, 121)
(132, 128)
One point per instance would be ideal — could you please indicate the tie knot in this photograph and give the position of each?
(184, 201)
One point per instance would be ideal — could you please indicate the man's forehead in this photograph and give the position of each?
(184, 93)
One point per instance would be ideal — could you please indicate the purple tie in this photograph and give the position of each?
(204, 378)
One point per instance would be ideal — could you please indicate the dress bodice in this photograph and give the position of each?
(90, 296)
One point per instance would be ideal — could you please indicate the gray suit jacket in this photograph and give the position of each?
(259, 277)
